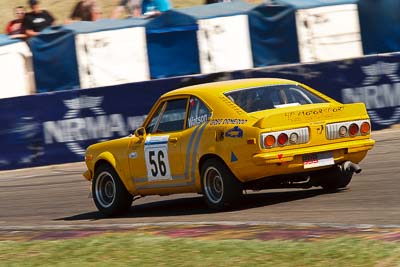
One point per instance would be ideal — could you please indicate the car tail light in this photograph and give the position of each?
(365, 128)
(282, 139)
(289, 137)
(293, 138)
(269, 141)
(347, 129)
(353, 129)
(342, 131)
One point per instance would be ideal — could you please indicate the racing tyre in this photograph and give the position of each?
(335, 178)
(220, 187)
(109, 193)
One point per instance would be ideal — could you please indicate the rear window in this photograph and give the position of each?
(274, 96)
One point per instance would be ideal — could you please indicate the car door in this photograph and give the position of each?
(197, 119)
(156, 161)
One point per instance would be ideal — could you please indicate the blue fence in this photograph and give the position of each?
(54, 128)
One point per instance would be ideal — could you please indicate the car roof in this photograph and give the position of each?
(218, 88)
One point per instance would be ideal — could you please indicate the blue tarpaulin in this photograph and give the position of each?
(380, 25)
(54, 60)
(273, 35)
(55, 56)
(172, 45)
(172, 37)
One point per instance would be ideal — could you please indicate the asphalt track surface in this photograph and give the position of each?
(58, 196)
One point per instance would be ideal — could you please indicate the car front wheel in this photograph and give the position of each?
(109, 193)
(220, 188)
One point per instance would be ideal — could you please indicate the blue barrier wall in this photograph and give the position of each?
(56, 127)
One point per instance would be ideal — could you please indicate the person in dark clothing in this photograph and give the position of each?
(14, 28)
(36, 20)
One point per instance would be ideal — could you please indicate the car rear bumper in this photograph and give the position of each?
(346, 148)
(290, 161)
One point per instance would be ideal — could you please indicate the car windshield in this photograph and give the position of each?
(274, 96)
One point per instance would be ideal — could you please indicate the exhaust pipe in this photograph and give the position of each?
(349, 166)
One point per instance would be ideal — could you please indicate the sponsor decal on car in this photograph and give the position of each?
(235, 132)
(156, 156)
(314, 113)
(194, 121)
(214, 122)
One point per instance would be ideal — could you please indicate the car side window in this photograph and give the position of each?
(154, 120)
(170, 117)
(198, 112)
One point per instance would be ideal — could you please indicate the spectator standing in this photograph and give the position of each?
(36, 20)
(155, 7)
(81, 11)
(133, 8)
(14, 28)
(85, 10)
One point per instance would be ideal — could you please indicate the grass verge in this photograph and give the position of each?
(133, 249)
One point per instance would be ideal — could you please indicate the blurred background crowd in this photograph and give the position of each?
(33, 16)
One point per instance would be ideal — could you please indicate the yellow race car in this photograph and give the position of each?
(218, 139)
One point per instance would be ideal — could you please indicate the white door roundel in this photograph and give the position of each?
(156, 155)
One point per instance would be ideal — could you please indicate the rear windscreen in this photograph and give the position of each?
(274, 96)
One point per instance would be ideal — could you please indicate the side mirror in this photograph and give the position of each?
(140, 132)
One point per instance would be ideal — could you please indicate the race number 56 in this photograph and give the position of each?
(157, 163)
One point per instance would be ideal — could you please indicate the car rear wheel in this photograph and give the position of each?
(220, 188)
(335, 178)
(109, 193)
